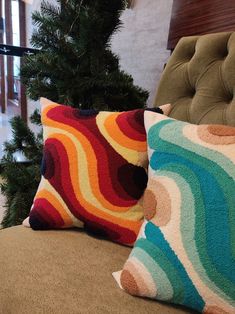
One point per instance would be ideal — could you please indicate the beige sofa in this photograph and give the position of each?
(71, 272)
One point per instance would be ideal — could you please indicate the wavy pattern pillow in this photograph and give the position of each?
(185, 252)
(93, 171)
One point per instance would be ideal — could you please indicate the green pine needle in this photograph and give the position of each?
(74, 66)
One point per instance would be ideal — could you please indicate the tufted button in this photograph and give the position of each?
(193, 92)
(225, 56)
(230, 98)
(225, 53)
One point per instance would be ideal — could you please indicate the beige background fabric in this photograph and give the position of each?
(65, 272)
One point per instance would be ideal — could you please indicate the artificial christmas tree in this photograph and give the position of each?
(20, 179)
(74, 66)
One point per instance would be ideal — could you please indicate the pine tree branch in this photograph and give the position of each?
(76, 67)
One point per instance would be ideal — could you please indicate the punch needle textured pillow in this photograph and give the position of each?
(93, 171)
(185, 252)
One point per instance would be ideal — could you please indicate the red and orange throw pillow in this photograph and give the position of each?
(94, 172)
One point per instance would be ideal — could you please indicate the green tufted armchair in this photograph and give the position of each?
(199, 80)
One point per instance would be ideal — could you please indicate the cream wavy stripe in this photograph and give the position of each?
(190, 132)
(83, 176)
(141, 233)
(142, 276)
(151, 118)
(133, 213)
(187, 219)
(45, 185)
(157, 275)
(213, 156)
(132, 156)
(151, 171)
(176, 242)
(185, 142)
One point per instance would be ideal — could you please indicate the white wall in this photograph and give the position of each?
(35, 6)
(140, 44)
(32, 105)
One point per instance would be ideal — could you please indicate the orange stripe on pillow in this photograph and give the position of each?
(92, 168)
(113, 129)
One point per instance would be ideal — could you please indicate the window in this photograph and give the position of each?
(12, 97)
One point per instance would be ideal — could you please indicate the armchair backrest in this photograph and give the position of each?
(199, 80)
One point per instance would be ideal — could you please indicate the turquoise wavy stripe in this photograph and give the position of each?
(178, 286)
(227, 263)
(221, 166)
(227, 183)
(218, 262)
(159, 249)
(188, 194)
(164, 288)
(171, 131)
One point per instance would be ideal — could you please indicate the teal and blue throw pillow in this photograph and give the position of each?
(185, 252)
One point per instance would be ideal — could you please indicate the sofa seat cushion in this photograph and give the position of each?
(64, 272)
